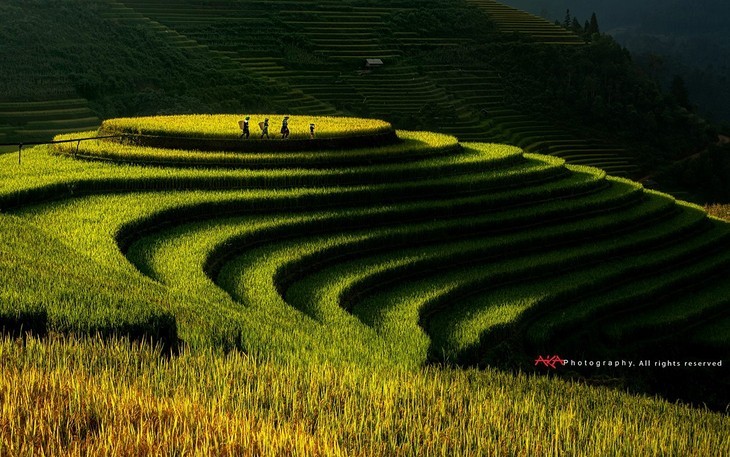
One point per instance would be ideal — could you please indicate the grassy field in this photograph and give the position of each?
(352, 302)
(218, 126)
(92, 397)
(461, 68)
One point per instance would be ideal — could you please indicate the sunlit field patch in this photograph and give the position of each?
(226, 126)
(410, 145)
(267, 277)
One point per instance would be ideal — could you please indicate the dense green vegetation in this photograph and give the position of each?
(394, 262)
(130, 70)
(273, 283)
(477, 70)
(599, 88)
(404, 254)
(704, 177)
(669, 39)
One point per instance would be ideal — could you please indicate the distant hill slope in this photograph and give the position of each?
(53, 61)
(457, 67)
(691, 36)
(512, 20)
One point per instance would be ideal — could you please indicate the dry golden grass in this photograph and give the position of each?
(721, 211)
(89, 397)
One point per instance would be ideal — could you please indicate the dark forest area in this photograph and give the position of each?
(685, 38)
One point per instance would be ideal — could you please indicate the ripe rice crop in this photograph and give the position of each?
(721, 211)
(120, 213)
(91, 397)
(478, 324)
(412, 146)
(358, 265)
(225, 126)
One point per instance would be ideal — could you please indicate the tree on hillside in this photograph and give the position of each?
(678, 91)
(575, 26)
(594, 25)
(567, 21)
(707, 175)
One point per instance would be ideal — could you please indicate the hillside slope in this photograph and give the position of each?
(457, 67)
(688, 38)
(419, 250)
(58, 75)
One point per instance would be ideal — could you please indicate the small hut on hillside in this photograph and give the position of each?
(373, 63)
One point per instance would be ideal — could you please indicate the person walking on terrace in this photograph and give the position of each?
(311, 130)
(264, 128)
(245, 132)
(285, 128)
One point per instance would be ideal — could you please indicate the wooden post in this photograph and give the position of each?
(20, 148)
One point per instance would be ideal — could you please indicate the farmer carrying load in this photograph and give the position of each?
(311, 130)
(244, 128)
(264, 126)
(285, 127)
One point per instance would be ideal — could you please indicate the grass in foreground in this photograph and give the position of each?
(66, 396)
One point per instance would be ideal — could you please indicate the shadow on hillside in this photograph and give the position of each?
(161, 335)
(657, 370)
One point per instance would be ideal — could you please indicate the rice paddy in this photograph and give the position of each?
(354, 302)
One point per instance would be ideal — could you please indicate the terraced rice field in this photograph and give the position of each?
(482, 90)
(466, 102)
(512, 20)
(415, 251)
(337, 36)
(41, 121)
(356, 268)
(238, 30)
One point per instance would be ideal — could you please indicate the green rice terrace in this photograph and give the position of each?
(391, 260)
(465, 68)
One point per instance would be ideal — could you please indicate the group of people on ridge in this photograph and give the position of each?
(264, 126)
